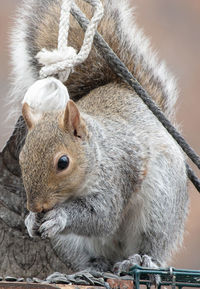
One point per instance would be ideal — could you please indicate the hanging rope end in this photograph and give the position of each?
(47, 95)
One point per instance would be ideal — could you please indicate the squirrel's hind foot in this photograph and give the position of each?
(140, 260)
(126, 265)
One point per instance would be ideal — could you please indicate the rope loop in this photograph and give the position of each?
(61, 61)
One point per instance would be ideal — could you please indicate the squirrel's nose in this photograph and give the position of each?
(39, 207)
(35, 208)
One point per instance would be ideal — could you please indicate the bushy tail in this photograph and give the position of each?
(37, 28)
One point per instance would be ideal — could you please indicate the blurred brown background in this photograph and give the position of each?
(174, 30)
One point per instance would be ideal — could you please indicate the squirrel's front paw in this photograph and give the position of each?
(53, 223)
(32, 224)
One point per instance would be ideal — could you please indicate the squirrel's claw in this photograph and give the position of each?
(53, 223)
(147, 262)
(32, 224)
(49, 229)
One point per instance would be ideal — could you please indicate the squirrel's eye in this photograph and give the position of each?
(63, 163)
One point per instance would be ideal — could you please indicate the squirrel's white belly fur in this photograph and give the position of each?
(81, 249)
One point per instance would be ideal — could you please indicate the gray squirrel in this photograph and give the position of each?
(105, 182)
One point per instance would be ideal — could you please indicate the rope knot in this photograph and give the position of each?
(46, 57)
(59, 62)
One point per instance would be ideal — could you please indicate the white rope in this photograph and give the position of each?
(62, 60)
(64, 24)
(63, 36)
(48, 93)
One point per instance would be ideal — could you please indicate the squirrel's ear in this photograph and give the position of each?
(30, 117)
(73, 121)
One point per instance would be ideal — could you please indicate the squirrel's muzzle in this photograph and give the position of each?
(39, 207)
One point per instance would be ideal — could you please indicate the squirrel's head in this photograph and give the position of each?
(53, 161)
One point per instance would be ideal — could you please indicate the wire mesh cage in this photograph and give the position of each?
(170, 278)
